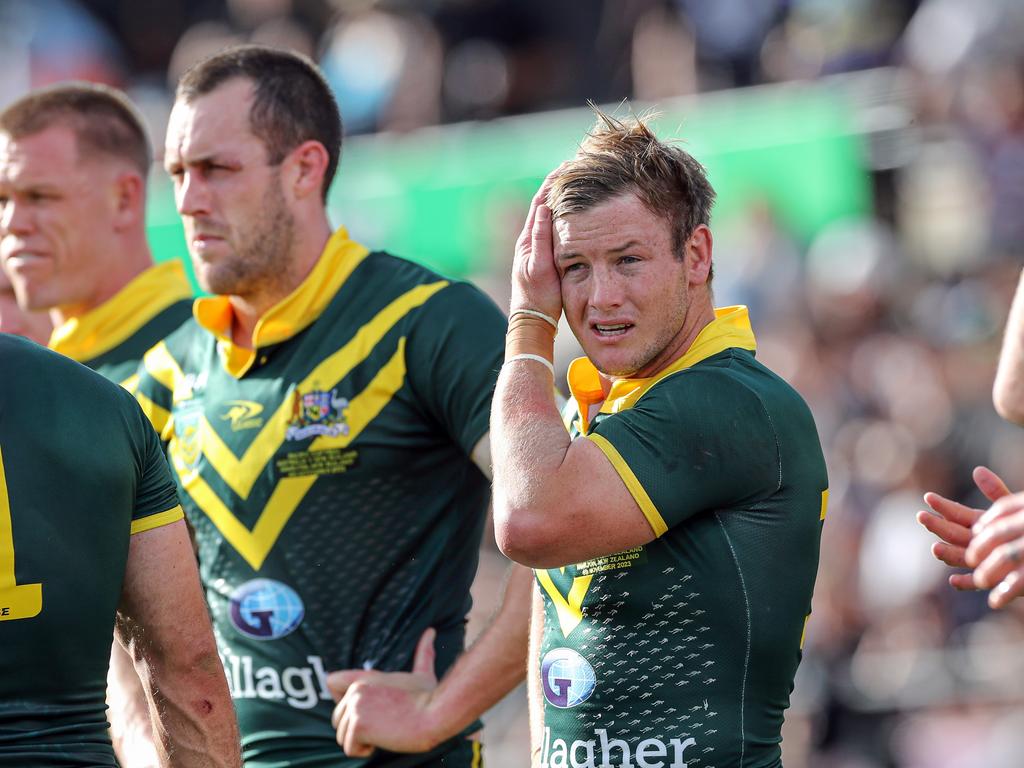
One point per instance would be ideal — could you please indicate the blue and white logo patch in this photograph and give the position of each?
(264, 609)
(567, 678)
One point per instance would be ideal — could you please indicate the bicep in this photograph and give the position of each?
(603, 516)
(162, 599)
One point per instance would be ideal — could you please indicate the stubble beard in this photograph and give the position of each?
(649, 353)
(259, 262)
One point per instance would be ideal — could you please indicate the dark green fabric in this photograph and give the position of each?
(384, 543)
(122, 361)
(697, 634)
(81, 462)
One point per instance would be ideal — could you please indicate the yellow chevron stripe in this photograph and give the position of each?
(162, 366)
(131, 383)
(824, 504)
(570, 607)
(255, 545)
(158, 417)
(241, 473)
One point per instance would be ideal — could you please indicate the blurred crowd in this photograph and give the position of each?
(889, 325)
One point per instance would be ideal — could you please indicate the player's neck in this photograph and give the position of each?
(304, 254)
(111, 279)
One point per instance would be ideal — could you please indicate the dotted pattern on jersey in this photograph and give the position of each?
(644, 668)
(358, 554)
(350, 558)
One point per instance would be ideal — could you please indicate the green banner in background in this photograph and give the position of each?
(454, 197)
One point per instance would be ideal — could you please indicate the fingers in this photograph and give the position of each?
(1007, 505)
(423, 660)
(339, 682)
(989, 483)
(950, 532)
(953, 511)
(346, 725)
(1000, 552)
(540, 199)
(962, 581)
(1009, 588)
(950, 555)
(540, 238)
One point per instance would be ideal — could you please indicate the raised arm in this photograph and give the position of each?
(556, 501)
(1008, 392)
(164, 625)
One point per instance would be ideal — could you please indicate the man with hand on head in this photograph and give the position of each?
(92, 539)
(675, 528)
(326, 417)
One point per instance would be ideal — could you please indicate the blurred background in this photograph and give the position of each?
(869, 159)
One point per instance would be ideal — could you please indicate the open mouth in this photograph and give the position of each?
(608, 330)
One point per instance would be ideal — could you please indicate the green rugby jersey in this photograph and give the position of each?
(80, 471)
(327, 476)
(683, 652)
(113, 337)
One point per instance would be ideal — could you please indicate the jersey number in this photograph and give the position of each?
(17, 601)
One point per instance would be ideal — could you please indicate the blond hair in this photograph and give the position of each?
(624, 156)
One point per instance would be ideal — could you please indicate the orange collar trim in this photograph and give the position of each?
(730, 329)
(290, 315)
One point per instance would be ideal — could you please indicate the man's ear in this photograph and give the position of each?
(697, 252)
(303, 171)
(128, 199)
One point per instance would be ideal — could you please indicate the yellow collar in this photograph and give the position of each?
(730, 328)
(290, 315)
(114, 321)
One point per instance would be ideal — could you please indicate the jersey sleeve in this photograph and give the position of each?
(156, 496)
(697, 442)
(454, 353)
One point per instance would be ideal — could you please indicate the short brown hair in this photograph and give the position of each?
(623, 156)
(291, 101)
(102, 118)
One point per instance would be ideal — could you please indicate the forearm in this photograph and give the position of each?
(131, 730)
(193, 719)
(490, 668)
(1008, 391)
(164, 624)
(529, 442)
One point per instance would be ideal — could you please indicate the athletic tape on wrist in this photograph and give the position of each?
(536, 358)
(534, 313)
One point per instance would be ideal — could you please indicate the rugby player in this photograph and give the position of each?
(74, 158)
(675, 528)
(73, 164)
(326, 417)
(91, 535)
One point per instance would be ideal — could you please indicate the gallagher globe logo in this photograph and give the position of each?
(264, 609)
(567, 677)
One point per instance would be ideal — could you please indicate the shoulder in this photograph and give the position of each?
(44, 376)
(731, 376)
(436, 297)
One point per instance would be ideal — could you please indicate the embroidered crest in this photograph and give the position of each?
(318, 413)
